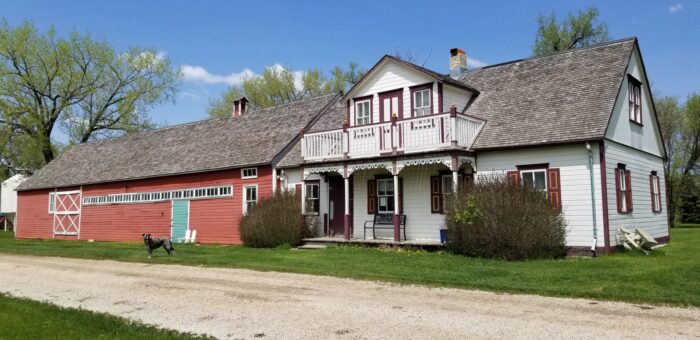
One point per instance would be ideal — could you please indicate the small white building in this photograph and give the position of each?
(8, 197)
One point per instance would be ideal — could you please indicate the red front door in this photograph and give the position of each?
(336, 205)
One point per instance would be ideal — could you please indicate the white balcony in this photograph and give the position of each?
(413, 135)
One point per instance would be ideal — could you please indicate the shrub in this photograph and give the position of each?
(493, 219)
(274, 221)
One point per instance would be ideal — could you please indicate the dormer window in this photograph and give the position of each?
(363, 111)
(421, 100)
(635, 100)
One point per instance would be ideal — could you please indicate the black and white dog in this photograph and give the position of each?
(155, 243)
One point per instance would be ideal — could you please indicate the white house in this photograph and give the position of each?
(8, 197)
(580, 125)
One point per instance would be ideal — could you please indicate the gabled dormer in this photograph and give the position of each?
(394, 87)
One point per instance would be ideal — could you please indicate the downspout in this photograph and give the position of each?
(595, 218)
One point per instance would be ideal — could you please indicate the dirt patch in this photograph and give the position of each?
(245, 304)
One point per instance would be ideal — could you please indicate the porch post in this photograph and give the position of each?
(303, 197)
(346, 221)
(455, 179)
(274, 180)
(397, 216)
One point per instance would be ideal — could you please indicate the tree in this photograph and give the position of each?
(680, 127)
(279, 85)
(82, 84)
(575, 31)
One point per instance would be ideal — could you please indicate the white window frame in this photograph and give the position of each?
(249, 175)
(423, 109)
(52, 202)
(533, 171)
(635, 100)
(623, 190)
(309, 197)
(159, 196)
(655, 193)
(245, 197)
(389, 198)
(366, 118)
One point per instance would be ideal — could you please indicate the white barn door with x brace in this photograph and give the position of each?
(66, 215)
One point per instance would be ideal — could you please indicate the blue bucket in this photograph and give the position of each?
(443, 236)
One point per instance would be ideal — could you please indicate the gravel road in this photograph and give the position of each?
(234, 303)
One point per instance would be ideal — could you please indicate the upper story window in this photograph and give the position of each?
(52, 202)
(635, 100)
(249, 173)
(421, 102)
(363, 112)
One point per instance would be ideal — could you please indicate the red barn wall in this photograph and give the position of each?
(216, 220)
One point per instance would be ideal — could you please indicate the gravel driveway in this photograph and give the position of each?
(234, 303)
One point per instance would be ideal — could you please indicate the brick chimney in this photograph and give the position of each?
(458, 62)
(239, 106)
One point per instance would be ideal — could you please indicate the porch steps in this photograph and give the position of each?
(312, 246)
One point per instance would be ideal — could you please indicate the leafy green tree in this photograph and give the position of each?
(79, 84)
(575, 31)
(278, 85)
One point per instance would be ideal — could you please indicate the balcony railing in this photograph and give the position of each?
(420, 134)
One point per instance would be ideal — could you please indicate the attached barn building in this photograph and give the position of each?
(579, 125)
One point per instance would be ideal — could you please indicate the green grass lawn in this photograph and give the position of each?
(671, 275)
(687, 225)
(27, 319)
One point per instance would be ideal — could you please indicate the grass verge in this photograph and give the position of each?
(669, 276)
(28, 319)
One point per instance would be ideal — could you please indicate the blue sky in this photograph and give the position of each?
(217, 42)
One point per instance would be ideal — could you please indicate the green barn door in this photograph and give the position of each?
(180, 220)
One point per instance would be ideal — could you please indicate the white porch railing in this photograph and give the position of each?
(410, 135)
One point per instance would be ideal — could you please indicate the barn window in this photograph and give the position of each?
(249, 173)
(159, 196)
(250, 197)
(52, 202)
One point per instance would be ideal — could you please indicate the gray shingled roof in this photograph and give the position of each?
(331, 119)
(255, 138)
(554, 99)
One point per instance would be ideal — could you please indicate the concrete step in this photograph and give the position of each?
(311, 246)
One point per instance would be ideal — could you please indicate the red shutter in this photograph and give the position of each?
(468, 182)
(435, 195)
(400, 195)
(297, 190)
(513, 177)
(371, 197)
(554, 188)
(618, 193)
(628, 193)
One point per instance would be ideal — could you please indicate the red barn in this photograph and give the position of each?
(199, 176)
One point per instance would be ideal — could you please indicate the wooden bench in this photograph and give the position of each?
(386, 222)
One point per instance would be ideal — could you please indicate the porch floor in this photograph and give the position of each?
(374, 242)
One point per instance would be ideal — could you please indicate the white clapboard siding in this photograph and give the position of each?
(644, 137)
(391, 76)
(640, 165)
(572, 160)
(454, 96)
(421, 225)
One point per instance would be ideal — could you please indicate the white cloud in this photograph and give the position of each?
(200, 74)
(475, 63)
(675, 8)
